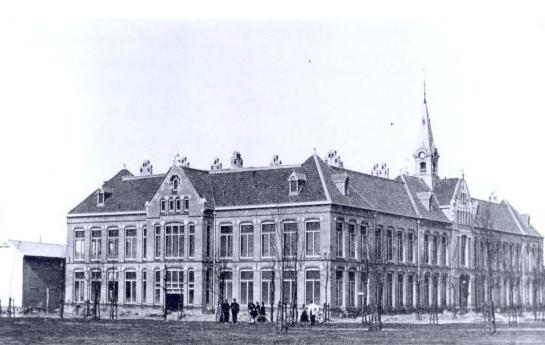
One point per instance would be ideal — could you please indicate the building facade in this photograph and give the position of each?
(314, 232)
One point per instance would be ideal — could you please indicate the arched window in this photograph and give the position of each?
(422, 167)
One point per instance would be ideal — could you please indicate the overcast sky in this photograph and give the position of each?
(85, 90)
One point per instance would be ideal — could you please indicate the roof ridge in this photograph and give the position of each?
(277, 167)
(321, 174)
(366, 174)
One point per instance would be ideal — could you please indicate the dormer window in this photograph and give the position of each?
(296, 182)
(341, 182)
(100, 197)
(175, 183)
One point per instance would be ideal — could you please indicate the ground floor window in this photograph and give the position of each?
(399, 290)
(266, 287)
(339, 288)
(207, 294)
(157, 287)
(389, 283)
(363, 288)
(288, 287)
(226, 285)
(113, 286)
(435, 287)
(190, 287)
(96, 285)
(130, 287)
(312, 287)
(410, 287)
(246, 287)
(351, 289)
(144, 285)
(444, 290)
(426, 291)
(79, 287)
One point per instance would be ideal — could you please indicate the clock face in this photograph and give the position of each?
(422, 154)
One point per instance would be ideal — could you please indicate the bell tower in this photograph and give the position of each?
(426, 156)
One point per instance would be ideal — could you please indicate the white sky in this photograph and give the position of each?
(84, 90)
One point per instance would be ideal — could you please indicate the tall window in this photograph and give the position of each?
(144, 286)
(178, 205)
(389, 245)
(174, 241)
(434, 249)
(378, 244)
(186, 204)
(312, 287)
(226, 285)
(267, 239)
(363, 287)
(410, 287)
(171, 205)
(426, 248)
(190, 287)
(113, 243)
(157, 287)
(226, 241)
(79, 245)
(113, 285)
(79, 287)
(364, 244)
(312, 238)
(389, 290)
(426, 290)
(400, 246)
(246, 287)
(288, 287)
(339, 288)
(290, 239)
(435, 289)
(463, 251)
(266, 287)
(443, 250)
(130, 287)
(191, 240)
(410, 247)
(144, 242)
(246, 240)
(163, 206)
(351, 289)
(444, 290)
(96, 244)
(208, 238)
(157, 243)
(351, 240)
(339, 234)
(399, 290)
(130, 243)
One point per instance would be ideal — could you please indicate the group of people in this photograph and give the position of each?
(233, 308)
(256, 310)
(305, 315)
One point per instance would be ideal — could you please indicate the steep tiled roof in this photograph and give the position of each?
(500, 219)
(524, 222)
(127, 194)
(444, 190)
(48, 250)
(417, 185)
(378, 193)
(265, 186)
(200, 179)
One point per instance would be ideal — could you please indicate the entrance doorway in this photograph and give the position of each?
(464, 290)
(174, 301)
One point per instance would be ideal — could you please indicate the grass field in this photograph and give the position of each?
(81, 332)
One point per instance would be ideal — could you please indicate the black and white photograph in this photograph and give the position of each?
(272, 172)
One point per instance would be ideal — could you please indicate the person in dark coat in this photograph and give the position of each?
(304, 315)
(251, 311)
(225, 311)
(234, 310)
(262, 310)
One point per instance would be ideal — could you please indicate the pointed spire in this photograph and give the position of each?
(426, 135)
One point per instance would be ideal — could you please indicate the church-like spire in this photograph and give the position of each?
(426, 155)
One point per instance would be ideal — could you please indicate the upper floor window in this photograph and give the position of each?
(246, 240)
(175, 183)
(100, 197)
(312, 237)
(364, 244)
(400, 246)
(191, 240)
(444, 250)
(157, 241)
(351, 240)
(339, 234)
(163, 205)
(434, 249)
(290, 239)
(389, 245)
(267, 239)
(463, 250)
(174, 240)
(226, 241)
(378, 244)
(79, 245)
(96, 244)
(410, 247)
(144, 242)
(178, 205)
(171, 205)
(113, 244)
(186, 204)
(130, 243)
(423, 167)
(426, 248)
(296, 182)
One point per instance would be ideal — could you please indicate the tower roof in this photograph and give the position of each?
(425, 140)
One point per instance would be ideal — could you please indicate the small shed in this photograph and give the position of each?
(31, 274)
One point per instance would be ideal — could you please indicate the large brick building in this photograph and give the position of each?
(157, 238)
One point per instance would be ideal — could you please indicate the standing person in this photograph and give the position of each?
(225, 310)
(251, 311)
(234, 309)
(262, 311)
(304, 315)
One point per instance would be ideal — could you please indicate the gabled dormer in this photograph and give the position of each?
(296, 182)
(102, 194)
(341, 182)
(463, 208)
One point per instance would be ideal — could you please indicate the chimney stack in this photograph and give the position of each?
(216, 165)
(236, 160)
(381, 170)
(180, 161)
(334, 159)
(275, 161)
(146, 168)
